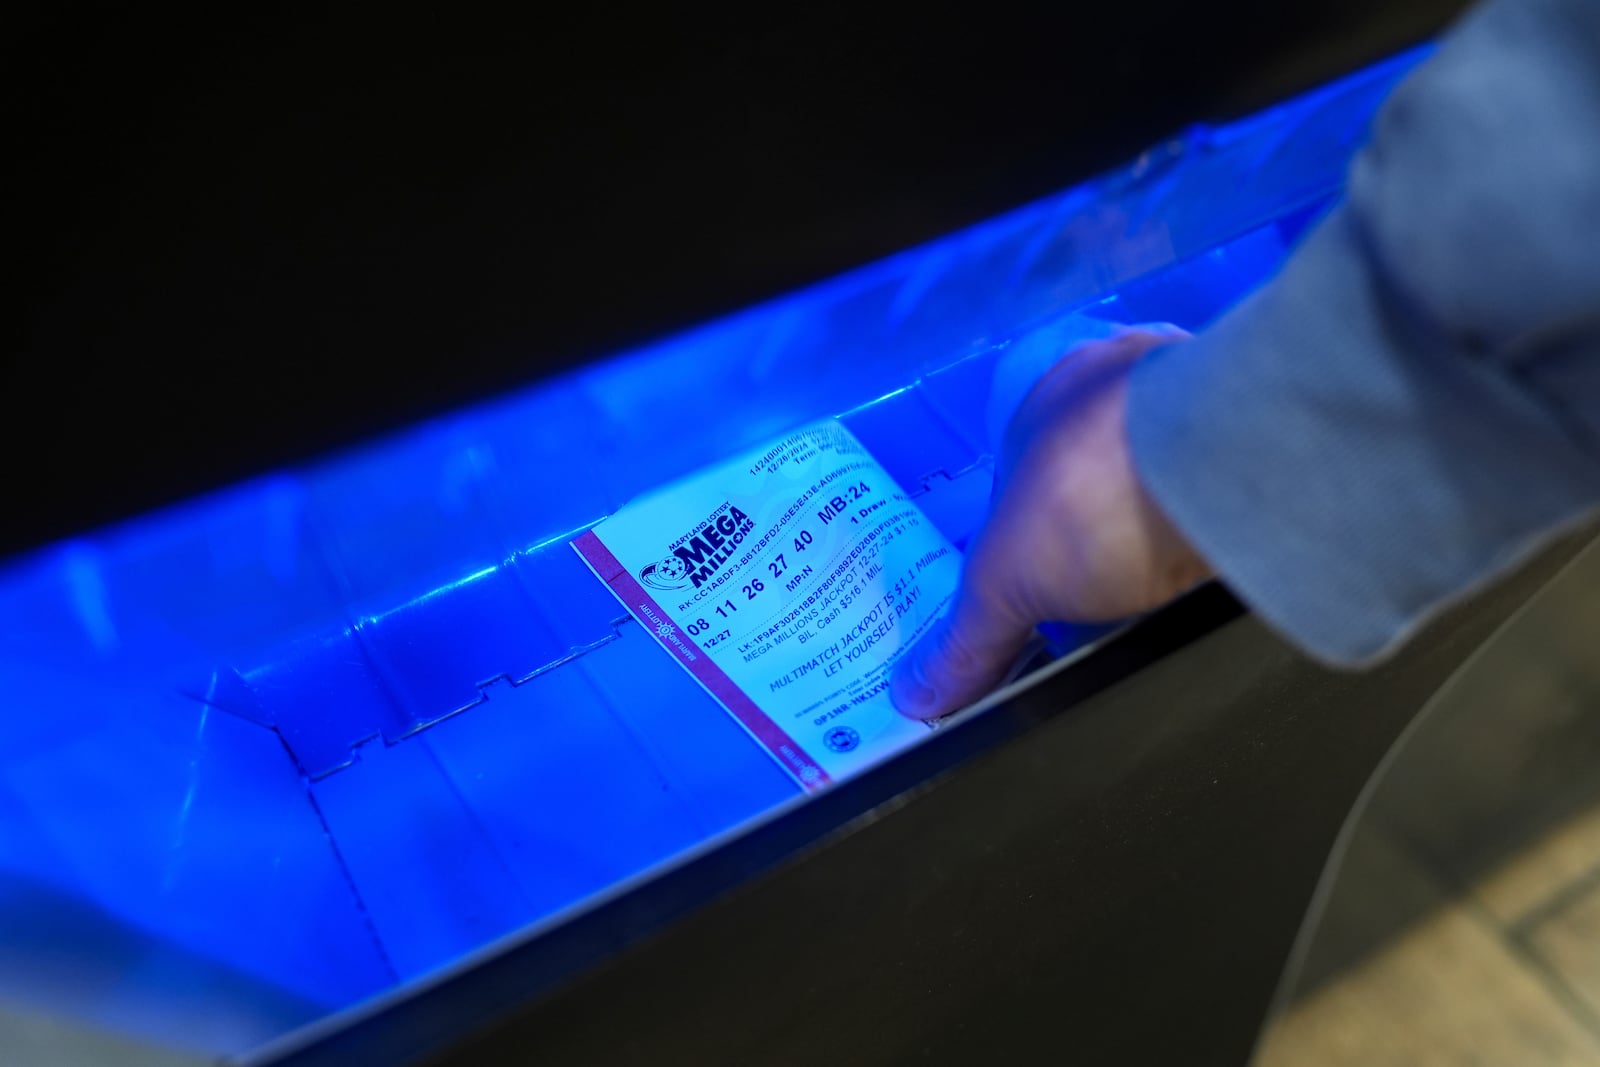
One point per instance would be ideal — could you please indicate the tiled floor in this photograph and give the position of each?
(1463, 926)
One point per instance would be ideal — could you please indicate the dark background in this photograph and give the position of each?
(239, 246)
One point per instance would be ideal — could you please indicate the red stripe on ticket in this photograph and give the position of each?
(689, 655)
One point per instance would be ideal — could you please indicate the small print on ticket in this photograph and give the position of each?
(786, 581)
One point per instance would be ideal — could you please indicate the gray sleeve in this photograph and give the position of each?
(1413, 404)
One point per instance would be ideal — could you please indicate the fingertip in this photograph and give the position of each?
(909, 690)
(1165, 329)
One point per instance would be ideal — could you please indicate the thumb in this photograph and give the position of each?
(961, 658)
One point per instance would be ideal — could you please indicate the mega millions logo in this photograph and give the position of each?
(701, 552)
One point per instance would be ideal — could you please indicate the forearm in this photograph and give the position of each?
(1342, 479)
(1409, 408)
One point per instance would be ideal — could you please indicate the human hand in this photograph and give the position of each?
(1071, 535)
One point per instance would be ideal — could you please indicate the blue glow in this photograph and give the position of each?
(88, 598)
(278, 749)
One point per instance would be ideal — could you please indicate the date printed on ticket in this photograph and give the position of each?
(786, 581)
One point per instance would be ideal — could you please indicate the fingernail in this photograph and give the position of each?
(909, 694)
